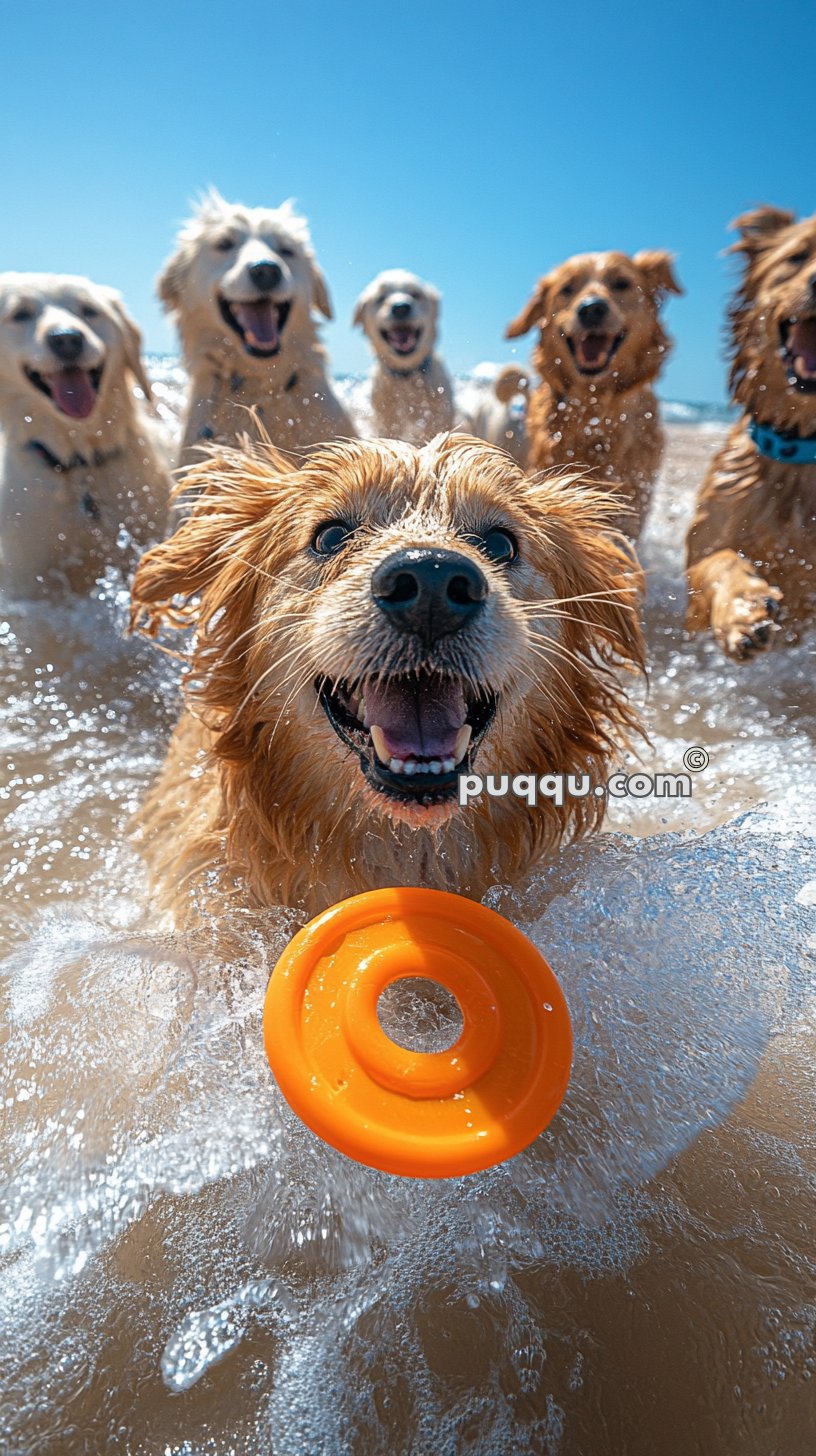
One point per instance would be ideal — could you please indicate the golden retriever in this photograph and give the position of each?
(601, 345)
(367, 626)
(84, 476)
(411, 390)
(243, 284)
(752, 543)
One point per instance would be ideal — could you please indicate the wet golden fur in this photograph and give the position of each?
(289, 391)
(608, 422)
(752, 543)
(259, 801)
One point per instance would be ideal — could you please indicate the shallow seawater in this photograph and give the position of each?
(185, 1269)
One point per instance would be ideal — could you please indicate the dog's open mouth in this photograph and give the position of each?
(594, 352)
(413, 733)
(74, 391)
(402, 338)
(259, 324)
(798, 338)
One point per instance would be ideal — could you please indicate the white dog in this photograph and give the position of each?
(83, 476)
(242, 285)
(411, 390)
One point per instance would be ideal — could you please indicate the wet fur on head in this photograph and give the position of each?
(211, 215)
(779, 257)
(595, 406)
(282, 807)
(243, 286)
(552, 307)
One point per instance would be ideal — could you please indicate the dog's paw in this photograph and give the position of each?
(746, 623)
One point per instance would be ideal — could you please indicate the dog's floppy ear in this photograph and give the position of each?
(234, 491)
(759, 227)
(656, 266)
(358, 317)
(131, 340)
(170, 282)
(532, 313)
(320, 290)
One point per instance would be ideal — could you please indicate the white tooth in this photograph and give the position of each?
(448, 765)
(363, 713)
(460, 747)
(380, 745)
(435, 766)
(397, 766)
(410, 766)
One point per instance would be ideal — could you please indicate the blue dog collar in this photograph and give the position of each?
(787, 449)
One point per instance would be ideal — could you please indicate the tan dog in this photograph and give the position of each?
(601, 345)
(411, 390)
(752, 543)
(84, 479)
(368, 627)
(242, 286)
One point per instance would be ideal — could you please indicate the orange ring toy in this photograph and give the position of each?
(421, 1114)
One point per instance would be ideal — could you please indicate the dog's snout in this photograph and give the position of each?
(429, 591)
(401, 310)
(66, 344)
(265, 276)
(592, 311)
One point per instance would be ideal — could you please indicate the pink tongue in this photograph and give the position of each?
(259, 322)
(419, 720)
(403, 339)
(802, 343)
(73, 392)
(594, 348)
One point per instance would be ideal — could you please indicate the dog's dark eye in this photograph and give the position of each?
(22, 315)
(800, 257)
(620, 285)
(224, 245)
(89, 312)
(286, 252)
(500, 546)
(330, 538)
(567, 291)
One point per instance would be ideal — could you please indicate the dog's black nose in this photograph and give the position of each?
(265, 276)
(67, 344)
(592, 311)
(428, 591)
(400, 310)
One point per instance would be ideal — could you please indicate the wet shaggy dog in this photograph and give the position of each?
(242, 285)
(411, 390)
(752, 543)
(84, 474)
(601, 346)
(366, 627)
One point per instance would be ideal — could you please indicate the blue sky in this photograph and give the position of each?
(475, 143)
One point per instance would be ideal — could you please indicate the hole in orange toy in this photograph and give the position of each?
(420, 1015)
